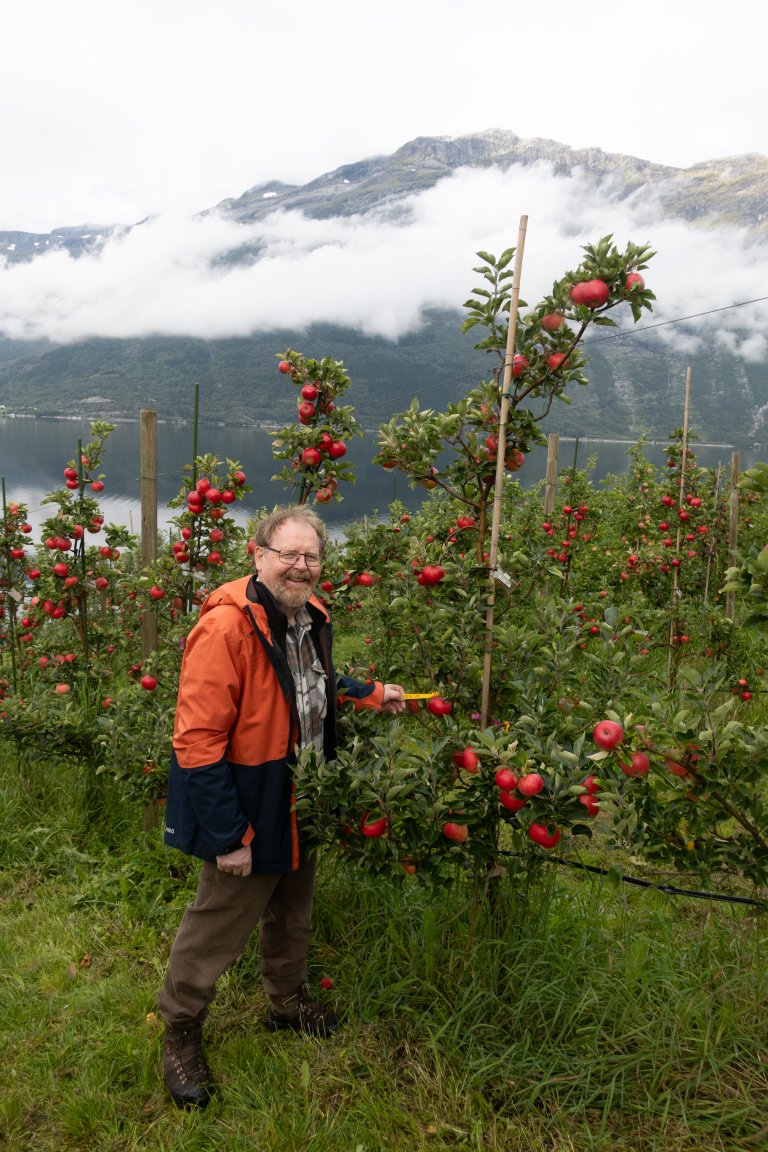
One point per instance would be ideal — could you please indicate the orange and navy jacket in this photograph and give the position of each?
(237, 727)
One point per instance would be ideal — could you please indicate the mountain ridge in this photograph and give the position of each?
(356, 188)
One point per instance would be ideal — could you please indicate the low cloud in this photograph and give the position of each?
(381, 272)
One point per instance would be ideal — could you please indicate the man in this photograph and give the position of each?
(256, 680)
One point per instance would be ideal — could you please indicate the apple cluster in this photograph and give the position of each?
(315, 454)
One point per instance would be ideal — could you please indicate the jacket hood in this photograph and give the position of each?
(247, 592)
(234, 594)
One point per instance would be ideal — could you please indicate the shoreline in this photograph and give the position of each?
(263, 425)
(269, 426)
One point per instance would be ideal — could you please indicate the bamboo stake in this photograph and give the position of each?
(499, 481)
(733, 528)
(676, 579)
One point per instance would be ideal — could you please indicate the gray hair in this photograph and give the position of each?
(268, 525)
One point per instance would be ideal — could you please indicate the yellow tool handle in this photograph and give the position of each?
(419, 695)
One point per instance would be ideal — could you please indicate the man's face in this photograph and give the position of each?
(290, 584)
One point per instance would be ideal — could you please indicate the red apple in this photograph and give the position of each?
(634, 282)
(541, 835)
(557, 360)
(375, 828)
(530, 784)
(466, 758)
(590, 293)
(438, 706)
(607, 734)
(638, 765)
(552, 321)
(505, 779)
(149, 683)
(458, 833)
(432, 574)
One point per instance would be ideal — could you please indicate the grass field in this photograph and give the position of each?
(578, 1016)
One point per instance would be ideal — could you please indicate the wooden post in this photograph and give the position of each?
(733, 528)
(499, 482)
(551, 479)
(148, 484)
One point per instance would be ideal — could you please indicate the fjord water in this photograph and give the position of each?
(34, 452)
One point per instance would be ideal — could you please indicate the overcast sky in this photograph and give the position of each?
(113, 111)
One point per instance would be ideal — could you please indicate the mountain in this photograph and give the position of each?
(733, 190)
(635, 386)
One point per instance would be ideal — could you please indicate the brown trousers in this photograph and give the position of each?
(218, 924)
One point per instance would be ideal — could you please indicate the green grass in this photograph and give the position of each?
(575, 1017)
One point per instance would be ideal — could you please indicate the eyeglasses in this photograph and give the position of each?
(311, 559)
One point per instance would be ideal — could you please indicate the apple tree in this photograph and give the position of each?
(317, 444)
(456, 450)
(206, 544)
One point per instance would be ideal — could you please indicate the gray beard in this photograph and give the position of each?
(292, 598)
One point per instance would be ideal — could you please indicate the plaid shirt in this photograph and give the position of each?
(309, 678)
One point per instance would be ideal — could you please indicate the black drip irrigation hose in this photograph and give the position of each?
(669, 889)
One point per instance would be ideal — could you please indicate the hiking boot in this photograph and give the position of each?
(301, 1013)
(184, 1067)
